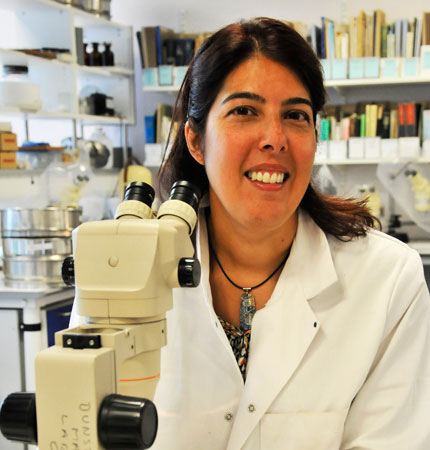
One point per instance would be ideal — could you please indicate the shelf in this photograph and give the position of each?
(15, 57)
(330, 83)
(107, 71)
(45, 115)
(171, 89)
(376, 82)
(357, 162)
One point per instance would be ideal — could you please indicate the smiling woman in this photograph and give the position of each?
(310, 329)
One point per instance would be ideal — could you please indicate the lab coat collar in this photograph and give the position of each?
(310, 258)
(286, 323)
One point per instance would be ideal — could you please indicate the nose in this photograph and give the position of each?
(273, 137)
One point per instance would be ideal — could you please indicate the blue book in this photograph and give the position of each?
(323, 38)
(150, 129)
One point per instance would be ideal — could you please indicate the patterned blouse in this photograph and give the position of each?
(239, 341)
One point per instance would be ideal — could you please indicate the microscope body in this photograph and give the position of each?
(124, 272)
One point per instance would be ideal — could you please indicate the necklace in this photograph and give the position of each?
(247, 299)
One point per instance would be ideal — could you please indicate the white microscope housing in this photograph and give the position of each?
(94, 386)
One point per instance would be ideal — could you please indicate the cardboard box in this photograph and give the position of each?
(8, 160)
(8, 142)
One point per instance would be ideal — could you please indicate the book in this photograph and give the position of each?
(394, 123)
(373, 121)
(410, 35)
(404, 38)
(385, 132)
(361, 34)
(418, 36)
(184, 51)
(402, 120)
(368, 48)
(149, 46)
(391, 42)
(139, 43)
(353, 21)
(323, 38)
(398, 38)
(316, 39)
(379, 23)
(363, 125)
(149, 129)
(426, 28)
(410, 119)
(79, 42)
(163, 117)
(384, 41)
(330, 43)
(162, 33)
(426, 124)
(379, 117)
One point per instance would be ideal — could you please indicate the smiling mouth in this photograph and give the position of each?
(267, 177)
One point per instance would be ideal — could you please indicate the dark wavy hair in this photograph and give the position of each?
(218, 56)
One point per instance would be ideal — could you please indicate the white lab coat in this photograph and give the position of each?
(339, 356)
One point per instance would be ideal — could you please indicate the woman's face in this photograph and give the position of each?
(259, 144)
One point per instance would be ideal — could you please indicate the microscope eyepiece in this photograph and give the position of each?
(140, 191)
(186, 192)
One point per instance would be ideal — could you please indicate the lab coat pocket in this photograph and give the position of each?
(302, 430)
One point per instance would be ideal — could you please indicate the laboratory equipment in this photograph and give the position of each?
(93, 388)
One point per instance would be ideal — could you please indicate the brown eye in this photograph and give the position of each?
(242, 111)
(297, 115)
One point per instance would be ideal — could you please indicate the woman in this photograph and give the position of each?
(310, 329)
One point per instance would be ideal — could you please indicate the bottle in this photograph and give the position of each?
(107, 55)
(95, 56)
(86, 55)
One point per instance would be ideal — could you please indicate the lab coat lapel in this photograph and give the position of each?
(284, 329)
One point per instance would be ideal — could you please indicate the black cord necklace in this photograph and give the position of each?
(247, 299)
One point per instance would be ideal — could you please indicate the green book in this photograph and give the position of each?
(363, 125)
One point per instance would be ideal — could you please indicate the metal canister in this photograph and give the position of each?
(36, 241)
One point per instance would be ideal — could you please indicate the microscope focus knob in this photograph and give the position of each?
(189, 272)
(68, 271)
(18, 418)
(127, 422)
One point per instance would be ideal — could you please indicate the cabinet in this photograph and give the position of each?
(41, 24)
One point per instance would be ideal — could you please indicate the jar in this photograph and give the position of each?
(16, 89)
(107, 55)
(95, 56)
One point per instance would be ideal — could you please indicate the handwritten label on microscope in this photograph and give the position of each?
(74, 436)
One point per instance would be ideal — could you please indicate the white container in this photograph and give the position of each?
(372, 147)
(356, 148)
(338, 150)
(17, 91)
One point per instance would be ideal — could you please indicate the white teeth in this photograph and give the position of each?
(273, 178)
(266, 177)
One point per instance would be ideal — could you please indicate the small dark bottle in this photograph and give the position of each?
(107, 55)
(86, 55)
(95, 56)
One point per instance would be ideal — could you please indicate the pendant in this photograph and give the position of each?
(247, 309)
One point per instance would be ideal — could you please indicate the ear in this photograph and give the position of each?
(194, 146)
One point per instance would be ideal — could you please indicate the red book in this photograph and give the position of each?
(411, 122)
(402, 120)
